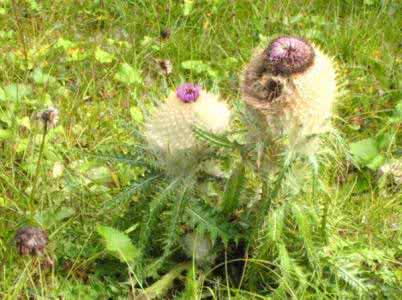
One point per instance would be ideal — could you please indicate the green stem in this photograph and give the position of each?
(324, 221)
(42, 147)
(267, 197)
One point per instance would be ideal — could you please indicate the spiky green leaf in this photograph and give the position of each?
(233, 189)
(118, 243)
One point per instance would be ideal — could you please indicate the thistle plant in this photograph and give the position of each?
(291, 87)
(247, 224)
(169, 131)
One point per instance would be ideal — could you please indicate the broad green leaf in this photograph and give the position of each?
(127, 74)
(24, 122)
(396, 117)
(5, 134)
(64, 213)
(188, 7)
(53, 217)
(118, 243)
(2, 94)
(64, 44)
(233, 189)
(100, 175)
(17, 91)
(197, 66)
(366, 153)
(39, 77)
(136, 114)
(103, 57)
(376, 162)
(77, 54)
(146, 41)
(159, 289)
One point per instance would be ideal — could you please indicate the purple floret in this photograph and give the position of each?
(188, 92)
(289, 55)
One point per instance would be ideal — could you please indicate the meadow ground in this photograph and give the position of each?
(99, 63)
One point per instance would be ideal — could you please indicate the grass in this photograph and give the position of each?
(73, 55)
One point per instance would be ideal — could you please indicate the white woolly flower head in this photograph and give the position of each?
(291, 84)
(170, 129)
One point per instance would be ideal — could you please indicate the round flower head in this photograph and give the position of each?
(170, 128)
(394, 170)
(289, 55)
(31, 241)
(292, 85)
(188, 92)
(197, 246)
(49, 117)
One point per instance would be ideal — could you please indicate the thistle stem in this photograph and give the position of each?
(324, 221)
(267, 197)
(42, 147)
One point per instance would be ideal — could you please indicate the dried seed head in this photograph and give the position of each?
(166, 66)
(165, 33)
(31, 241)
(289, 55)
(50, 117)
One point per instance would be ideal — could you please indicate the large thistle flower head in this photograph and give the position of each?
(169, 131)
(292, 86)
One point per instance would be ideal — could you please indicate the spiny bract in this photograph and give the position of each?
(292, 84)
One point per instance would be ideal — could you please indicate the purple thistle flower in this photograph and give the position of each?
(188, 92)
(288, 55)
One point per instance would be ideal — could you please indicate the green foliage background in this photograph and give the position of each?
(97, 61)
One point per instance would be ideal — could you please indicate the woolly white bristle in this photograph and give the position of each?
(170, 129)
(297, 105)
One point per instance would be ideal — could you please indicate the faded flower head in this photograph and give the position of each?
(31, 241)
(289, 55)
(291, 86)
(188, 92)
(166, 66)
(50, 117)
(165, 33)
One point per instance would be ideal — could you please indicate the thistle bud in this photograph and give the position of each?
(197, 246)
(393, 170)
(31, 241)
